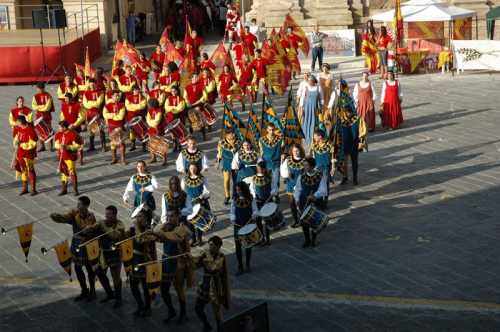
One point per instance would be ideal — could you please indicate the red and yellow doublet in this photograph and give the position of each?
(227, 82)
(135, 105)
(168, 81)
(81, 84)
(14, 114)
(142, 70)
(67, 143)
(43, 105)
(26, 151)
(174, 108)
(114, 115)
(154, 119)
(209, 89)
(126, 84)
(72, 114)
(193, 93)
(157, 94)
(64, 88)
(93, 101)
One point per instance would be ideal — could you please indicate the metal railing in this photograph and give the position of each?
(78, 22)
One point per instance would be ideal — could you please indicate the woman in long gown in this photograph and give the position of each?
(364, 97)
(326, 83)
(390, 103)
(310, 101)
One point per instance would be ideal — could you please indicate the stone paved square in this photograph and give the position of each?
(415, 247)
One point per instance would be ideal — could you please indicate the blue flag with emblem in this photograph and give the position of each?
(232, 121)
(292, 132)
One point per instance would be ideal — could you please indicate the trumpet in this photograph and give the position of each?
(95, 238)
(136, 268)
(115, 245)
(4, 231)
(46, 250)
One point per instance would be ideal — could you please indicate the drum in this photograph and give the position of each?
(202, 218)
(177, 130)
(249, 235)
(139, 127)
(95, 125)
(43, 130)
(209, 114)
(195, 119)
(314, 218)
(117, 136)
(272, 216)
(158, 145)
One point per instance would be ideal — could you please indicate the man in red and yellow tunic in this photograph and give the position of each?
(67, 86)
(80, 82)
(180, 48)
(154, 119)
(291, 43)
(114, 115)
(206, 63)
(43, 105)
(101, 82)
(68, 144)
(20, 109)
(157, 93)
(227, 84)
(72, 114)
(193, 44)
(24, 163)
(93, 100)
(142, 69)
(112, 87)
(259, 67)
(157, 60)
(135, 104)
(127, 81)
(175, 107)
(168, 79)
(118, 70)
(250, 41)
(195, 97)
(209, 86)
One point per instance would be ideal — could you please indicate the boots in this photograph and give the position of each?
(74, 180)
(24, 188)
(103, 141)
(32, 177)
(80, 153)
(122, 154)
(132, 145)
(113, 157)
(91, 144)
(64, 188)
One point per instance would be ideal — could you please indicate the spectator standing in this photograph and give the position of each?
(255, 29)
(131, 22)
(222, 18)
(317, 38)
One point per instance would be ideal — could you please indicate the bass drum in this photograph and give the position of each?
(175, 130)
(209, 114)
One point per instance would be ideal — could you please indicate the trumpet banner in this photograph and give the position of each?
(153, 278)
(64, 256)
(25, 235)
(93, 252)
(126, 254)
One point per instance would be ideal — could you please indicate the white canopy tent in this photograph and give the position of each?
(426, 11)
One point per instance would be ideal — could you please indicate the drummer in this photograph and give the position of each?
(154, 119)
(135, 104)
(263, 192)
(157, 93)
(243, 212)
(72, 113)
(142, 185)
(311, 188)
(191, 155)
(43, 105)
(196, 189)
(245, 161)
(290, 170)
(93, 100)
(114, 115)
(175, 199)
(226, 149)
(175, 107)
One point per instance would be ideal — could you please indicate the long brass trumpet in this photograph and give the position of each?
(136, 268)
(46, 250)
(115, 245)
(4, 231)
(95, 238)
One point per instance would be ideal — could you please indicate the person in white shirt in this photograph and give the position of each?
(189, 155)
(255, 29)
(141, 186)
(300, 95)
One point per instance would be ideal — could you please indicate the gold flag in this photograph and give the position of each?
(93, 252)
(127, 253)
(25, 236)
(64, 256)
(153, 278)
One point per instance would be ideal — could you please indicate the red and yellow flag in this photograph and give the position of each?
(172, 55)
(297, 30)
(164, 38)
(369, 50)
(220, 58)
(398, 23)
(128, 54)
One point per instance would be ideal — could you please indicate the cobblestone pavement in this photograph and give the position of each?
(414, 249)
